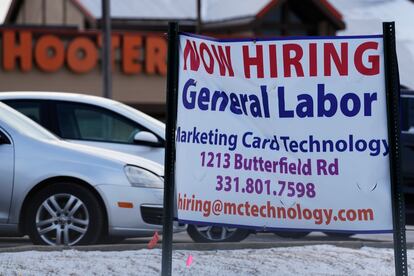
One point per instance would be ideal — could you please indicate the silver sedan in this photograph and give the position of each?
(62, 193)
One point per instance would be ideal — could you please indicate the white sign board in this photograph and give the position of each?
(283, 133)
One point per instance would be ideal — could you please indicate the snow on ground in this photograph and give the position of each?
(306, 260)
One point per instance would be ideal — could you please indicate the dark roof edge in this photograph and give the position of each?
(325, 6)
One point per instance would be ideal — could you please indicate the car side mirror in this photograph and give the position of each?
(147, 138)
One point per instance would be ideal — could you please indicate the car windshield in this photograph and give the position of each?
(24, 125)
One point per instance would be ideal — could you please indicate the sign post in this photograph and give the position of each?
(106, 49)
(392, 83)
(169, 171)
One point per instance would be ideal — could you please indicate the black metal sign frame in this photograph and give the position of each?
(392, 86)
(169, 169)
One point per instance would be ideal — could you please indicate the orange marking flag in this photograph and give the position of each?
(189, 260)
(153, 242)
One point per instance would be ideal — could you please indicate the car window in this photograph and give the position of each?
(23, 125)
(86, 122)
(4, 137)
(30, 109)
(407, 105)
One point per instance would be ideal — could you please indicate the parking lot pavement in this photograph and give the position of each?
(6, 242)
(260, 240)
(315, 237)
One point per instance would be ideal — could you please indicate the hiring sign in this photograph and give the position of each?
(283, 133)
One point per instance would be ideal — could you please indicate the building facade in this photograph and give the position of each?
(55, 45)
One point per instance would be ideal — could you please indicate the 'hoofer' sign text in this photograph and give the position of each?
(285, 133)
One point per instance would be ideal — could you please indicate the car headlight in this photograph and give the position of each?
(139, 177)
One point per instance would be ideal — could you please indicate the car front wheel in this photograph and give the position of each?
(205, 234)
(64, 214)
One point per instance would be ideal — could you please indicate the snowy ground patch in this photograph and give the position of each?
(306, 260)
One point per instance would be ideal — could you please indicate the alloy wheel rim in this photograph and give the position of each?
(62, 219)
(215, 233)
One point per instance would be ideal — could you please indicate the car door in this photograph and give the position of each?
(407, 154)
(407, 139)
(95, 126)
(6, 174)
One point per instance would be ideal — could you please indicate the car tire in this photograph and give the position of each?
(208, 234)
(64, 214)
(338, 235)
(292, 235)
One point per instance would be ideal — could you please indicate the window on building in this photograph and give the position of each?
(283, 21)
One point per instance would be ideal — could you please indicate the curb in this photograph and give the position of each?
(206, 246)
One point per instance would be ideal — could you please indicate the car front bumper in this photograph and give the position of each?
(139, 219)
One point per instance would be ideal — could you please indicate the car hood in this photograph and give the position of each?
(110, 155)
